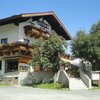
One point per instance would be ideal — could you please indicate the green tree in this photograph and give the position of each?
(48, 52)
(87, 46)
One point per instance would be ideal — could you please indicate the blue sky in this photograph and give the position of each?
(74, 14)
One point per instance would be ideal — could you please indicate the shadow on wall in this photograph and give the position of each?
(63, 79)
(36, 78)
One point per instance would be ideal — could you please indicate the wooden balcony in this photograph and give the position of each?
(16, 49)
(35, 32)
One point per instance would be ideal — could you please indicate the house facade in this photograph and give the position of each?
(18, 32)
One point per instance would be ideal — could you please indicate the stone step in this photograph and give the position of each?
(77, 84)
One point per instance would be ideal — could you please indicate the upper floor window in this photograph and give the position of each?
(42, 24)
(4, 41)
(26, 41)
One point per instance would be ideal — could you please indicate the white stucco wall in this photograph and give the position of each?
(21, 31)
(15, 33)
(9, 31)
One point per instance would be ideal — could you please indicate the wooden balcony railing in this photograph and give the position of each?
(17, 48)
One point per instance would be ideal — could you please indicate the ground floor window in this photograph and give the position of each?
(11, 65)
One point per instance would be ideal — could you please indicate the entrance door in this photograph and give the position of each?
(11, 65)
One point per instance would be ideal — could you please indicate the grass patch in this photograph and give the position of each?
(96, 87)
(49, 86)
(5, 84)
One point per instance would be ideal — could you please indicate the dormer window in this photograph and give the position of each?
(4, 41)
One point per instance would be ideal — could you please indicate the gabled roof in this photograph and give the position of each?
(51, 17)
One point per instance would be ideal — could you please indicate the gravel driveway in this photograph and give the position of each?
(28, 93)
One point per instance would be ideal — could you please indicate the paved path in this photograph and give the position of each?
(28, 93)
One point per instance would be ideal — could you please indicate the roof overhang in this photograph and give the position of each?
(51, 17)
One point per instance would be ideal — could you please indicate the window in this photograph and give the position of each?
(42, 24)
(26, 41)
(4, 41)
(11, 65)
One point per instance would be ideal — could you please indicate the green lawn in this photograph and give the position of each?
(1, 84)
(50, 86)
(96, 87)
